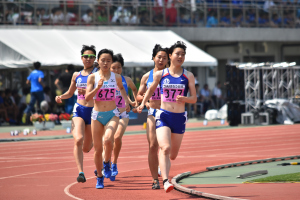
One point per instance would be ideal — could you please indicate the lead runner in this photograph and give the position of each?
(175, 82)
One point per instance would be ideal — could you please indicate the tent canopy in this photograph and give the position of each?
(19, 48)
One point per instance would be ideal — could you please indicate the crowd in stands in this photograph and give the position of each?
(208, 13)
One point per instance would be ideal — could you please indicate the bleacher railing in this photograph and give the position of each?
(178, 13)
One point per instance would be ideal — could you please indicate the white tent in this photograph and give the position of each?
(19, 48)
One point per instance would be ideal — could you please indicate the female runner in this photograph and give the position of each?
(81, 120)
(160, 58)
(116, 67)
(171, 118)
(101, 86)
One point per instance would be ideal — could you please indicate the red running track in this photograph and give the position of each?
(46, 169)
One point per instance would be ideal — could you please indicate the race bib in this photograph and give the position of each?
(83, 86)
(120, 102)
(171, 91)
(156, 94)
(106, 93)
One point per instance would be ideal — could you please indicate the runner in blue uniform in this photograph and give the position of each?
(171, 118)
(160, 58)
(116, 67)
(81, 121)
(101, 86)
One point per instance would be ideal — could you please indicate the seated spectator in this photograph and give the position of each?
(88, 16)
(289, 20)
(276, 21)
(101, 16)
(225, 20)
(263, 20)
(25, 99)
(212, 20)
(217, 96)
(3, 110)
(250, 17)
(11, 107)
(42, 16)
(238, 20)
(206, 98)
(57, 16)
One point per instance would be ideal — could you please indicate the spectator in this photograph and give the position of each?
(10, 105)
(3, 110)
(101, 16)
(289, 20)
(212, 20)
(250, 17)
(206, 98)
(276, 21)
(263, 20)
(88, 16)
(57, 16)
(35, 79)
(225, 20)
(63, 83)
(25, 99)
(217, 95)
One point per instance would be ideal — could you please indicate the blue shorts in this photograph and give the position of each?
(105, 117)
(83, 112)
(175, 121)
(152, 112)
(124, 115)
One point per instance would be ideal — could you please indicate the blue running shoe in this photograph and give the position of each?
(114, 169)
(100, 184)
(95, 172)
(106, 170)
(112, 178)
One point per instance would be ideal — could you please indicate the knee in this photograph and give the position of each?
(153, 148)
(86, 149)
(79, 141)
(166, 150)
(108, 142)
(118, 141)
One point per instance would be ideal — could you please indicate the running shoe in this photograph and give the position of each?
(106, 170)
(155, 185)
(81, 178)
(168, 187)
(114, 169)
(99, 184)
(159, 172)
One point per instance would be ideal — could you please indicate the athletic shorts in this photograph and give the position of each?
(175, 121)
(152, 112)
(105, 117)
(83, 112)
(124, 115)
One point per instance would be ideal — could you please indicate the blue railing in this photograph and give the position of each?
(198, 13)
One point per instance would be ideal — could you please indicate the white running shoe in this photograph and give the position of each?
(159, 172)
(168, 187)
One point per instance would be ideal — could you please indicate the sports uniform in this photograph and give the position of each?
(156, 94)
(106, 93)
(171, 87)
(120, 102)
(80, 110)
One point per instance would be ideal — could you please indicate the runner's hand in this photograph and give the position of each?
(100, 83)
(58, 99)
(180, 99)
(140, 108)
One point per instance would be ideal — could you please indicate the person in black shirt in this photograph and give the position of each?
(63, 83)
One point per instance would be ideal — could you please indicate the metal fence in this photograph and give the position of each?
(181, 13)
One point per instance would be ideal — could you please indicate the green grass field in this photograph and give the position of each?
(294, 177)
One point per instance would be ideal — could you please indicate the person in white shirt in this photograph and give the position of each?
(206, 96)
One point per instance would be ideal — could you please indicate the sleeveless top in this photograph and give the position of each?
(171, 86)
(108, 90)
(120, 102)
(156, 94)
(81, 82)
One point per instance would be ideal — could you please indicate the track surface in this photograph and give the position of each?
(46, 169)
